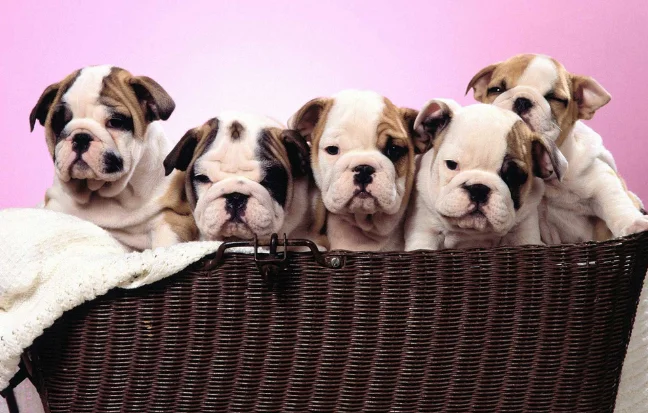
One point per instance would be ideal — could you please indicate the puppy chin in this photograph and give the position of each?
(460, 213)
(216, 224)
(380, 196)
(94, 165)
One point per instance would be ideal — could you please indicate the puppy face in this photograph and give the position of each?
(95, 124)
(362, 151)
(485, 160)
(541, 91)
(241, 171)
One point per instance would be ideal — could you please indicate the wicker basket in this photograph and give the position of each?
(529, 329)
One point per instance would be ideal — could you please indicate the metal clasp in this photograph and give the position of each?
(271, 267)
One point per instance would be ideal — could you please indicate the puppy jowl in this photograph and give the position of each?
(95, 123)
(592, 201)
(363, 163)
(102, 131)
(245, 176)
(478, 188)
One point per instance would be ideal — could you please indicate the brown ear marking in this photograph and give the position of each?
(307, 117)
(431, 121)
(40, 111)
(298, 152)
(480, 81)
(547, 159)
(409, 117)
(589, 95)
(182, 154)
(156, 102)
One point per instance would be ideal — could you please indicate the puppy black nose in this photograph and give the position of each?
(478, 193)
(363, 175)
(81, 142)
(522, 106)
(235, 204)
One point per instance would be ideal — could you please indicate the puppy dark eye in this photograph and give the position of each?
(452, 165)
(393, 151)
(120, 122)
(332, 150)
(203, 179)
(551, 96)
(495, 90)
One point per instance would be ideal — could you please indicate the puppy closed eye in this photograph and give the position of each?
(393, 151)
(552, 97)
(202, 179)
(452, 165)
(121, 122)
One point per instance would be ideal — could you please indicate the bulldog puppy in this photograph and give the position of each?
(362, 158)
(553, 102)
(481, 184)
(245, 175)
(102, 131)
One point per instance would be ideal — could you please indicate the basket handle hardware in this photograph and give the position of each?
(276, 261)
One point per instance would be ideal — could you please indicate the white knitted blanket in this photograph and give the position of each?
(51, 262)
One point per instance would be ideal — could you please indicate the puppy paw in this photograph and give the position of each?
(639, 225)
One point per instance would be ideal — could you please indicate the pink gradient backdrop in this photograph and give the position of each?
(271, 57)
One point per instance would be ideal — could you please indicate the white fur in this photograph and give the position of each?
(541, 74)
(354, 223)
(440, 215)
(125, 203)
(591, 187)
(233, 166)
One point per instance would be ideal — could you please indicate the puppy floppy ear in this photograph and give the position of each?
(431, 121)
(40, 111)
(589, 95)
(547, 159)
(306, 119)
(155, 101)
(480, 82)
(409, 117)
(298, 152)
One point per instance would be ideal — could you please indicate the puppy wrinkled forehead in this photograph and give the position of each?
(84, 93)
(478, 135)
(541, 74)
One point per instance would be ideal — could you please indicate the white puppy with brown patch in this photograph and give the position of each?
(476, 188)
(245, 175)
(553, 102)
(362, 158)
(102, 131)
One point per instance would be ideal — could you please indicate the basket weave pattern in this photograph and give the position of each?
(529, 329)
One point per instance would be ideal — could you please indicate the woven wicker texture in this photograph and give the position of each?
(532, 329)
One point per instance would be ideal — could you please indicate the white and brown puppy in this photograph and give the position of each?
(362, 156)
(481, 184)
(553, 102)
(245, 175)
(102, 131)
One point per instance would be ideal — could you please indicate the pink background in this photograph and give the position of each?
(272, 56)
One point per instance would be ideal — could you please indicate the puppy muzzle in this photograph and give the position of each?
(237, 208)
(478, 201)
(88, 152)
(532, 107)
(364, 183)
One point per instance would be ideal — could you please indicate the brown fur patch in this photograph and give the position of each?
(392, 125)
(46, 104)
(235, 130)
(518, 142)
(118, 94)
(177, 211)
(313, 115)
